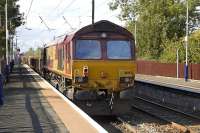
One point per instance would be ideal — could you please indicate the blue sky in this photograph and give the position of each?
(76, 12)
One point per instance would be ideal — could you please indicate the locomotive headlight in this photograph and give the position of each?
(103, 35)
(125, 79)
(85, 71)
(81, 79)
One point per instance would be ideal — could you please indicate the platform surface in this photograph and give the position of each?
(25, 108)
(190, 85)
(31, 104)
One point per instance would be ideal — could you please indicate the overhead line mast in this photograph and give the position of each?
(93, 10)
(6, 17)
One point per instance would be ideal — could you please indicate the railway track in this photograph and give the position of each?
(142, 122)
(114, 124)
(180, 120)
(117, 124)
(135, 122)
(172, 123)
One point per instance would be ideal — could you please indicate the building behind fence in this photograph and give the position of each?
(167, 69)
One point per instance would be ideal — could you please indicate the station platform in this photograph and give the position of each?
(32, 105)
(190, 85)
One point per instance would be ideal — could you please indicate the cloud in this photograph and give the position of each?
(76, 12)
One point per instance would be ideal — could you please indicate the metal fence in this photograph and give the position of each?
(167, 69)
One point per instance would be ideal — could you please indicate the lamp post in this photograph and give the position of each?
(6, 15)
(7, 68)
(11, 57)
(16, 47)
(7, 54)
(186, 46)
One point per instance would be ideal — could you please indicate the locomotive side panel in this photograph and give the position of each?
(55, 59)
(49, 57)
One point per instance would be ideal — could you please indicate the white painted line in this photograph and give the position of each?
(180, 79)
(180, 87)
(99, 128)
(161, 82)
(29, 74)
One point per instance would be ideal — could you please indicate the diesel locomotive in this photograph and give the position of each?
(93, 66)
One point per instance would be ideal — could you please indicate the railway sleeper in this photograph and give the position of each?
(94, 104)
(178, 126)
(101, 107)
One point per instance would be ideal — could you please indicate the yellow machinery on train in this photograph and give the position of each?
(92, 66)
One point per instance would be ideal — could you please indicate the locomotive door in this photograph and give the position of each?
(61, 57)
(68, 58)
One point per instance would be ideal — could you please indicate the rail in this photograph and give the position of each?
(176, 125)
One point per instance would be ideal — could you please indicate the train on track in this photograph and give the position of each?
(92, 67)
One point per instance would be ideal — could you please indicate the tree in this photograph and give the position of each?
(169, 53)
(14, 20)
(158, 22)
(33, 53)
(30, 52)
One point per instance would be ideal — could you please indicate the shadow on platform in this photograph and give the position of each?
(25, 108)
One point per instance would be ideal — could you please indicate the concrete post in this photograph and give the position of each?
(177, 63)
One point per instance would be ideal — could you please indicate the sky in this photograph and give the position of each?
(76, 13)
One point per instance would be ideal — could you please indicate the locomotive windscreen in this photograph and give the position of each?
(119, 49)
(93, 49)
(88, 49)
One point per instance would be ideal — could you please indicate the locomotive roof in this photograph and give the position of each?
(104, 26)
(56, 41)
(100, 26)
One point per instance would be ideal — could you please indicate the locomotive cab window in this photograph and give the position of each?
(119, 49)
(88, 49)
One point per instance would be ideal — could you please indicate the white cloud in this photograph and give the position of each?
(77, 13)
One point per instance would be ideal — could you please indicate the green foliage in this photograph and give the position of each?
(158, 22)
(194, 47)
(37, 53)
(170, 47)
(14, 20)
(33, 53)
